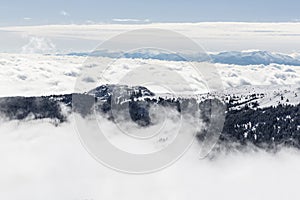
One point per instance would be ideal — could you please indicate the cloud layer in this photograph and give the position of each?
(35, 74)
(213, 36)
(41, 165)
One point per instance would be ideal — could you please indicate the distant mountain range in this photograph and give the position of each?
(230, 57)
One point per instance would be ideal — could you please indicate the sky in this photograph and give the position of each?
(33, 12)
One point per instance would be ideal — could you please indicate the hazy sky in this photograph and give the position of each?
(20, 12)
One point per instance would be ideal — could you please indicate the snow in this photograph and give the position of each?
(254, 57)
(272, 94)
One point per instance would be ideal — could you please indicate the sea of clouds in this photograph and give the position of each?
(36, 74)
(42, 161)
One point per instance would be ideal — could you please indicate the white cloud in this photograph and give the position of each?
(39, 45)
(64, 13)
(130, 20)
(214, 37)
(27, 18)
(90, 22)
(36, 74)
(39, 164)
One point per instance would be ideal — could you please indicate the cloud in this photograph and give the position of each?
(88, 80)
(39, 45)
(90, 22)
(215, 37)
(127, 20)
(52, 164)
(27, 18)
(37, 74)
(41, 71)
(64, 13)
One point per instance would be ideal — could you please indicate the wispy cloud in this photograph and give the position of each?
(89, 22)
(27, 18)
(39, 45)
(64, 13)
(130, 20)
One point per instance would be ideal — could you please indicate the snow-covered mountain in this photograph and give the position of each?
(262, 96)
(103, 92)
(266, 117)
(255, 57)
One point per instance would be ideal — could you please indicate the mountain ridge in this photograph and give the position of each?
(255, 57)
(246, 122)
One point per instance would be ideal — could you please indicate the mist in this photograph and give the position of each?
(44, 161)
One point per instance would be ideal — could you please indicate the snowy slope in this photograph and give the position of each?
(265, 96)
